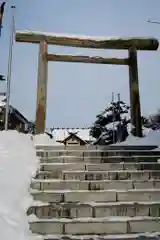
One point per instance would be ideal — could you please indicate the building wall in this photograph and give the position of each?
(13, 122)
(73, 141)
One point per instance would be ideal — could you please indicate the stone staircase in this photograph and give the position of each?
(86, 195)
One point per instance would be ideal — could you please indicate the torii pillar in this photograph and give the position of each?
(42, 79)
(136, 120)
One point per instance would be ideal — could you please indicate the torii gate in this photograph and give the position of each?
(130, 44)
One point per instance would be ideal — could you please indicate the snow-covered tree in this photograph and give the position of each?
(111, 124)
(153, 121)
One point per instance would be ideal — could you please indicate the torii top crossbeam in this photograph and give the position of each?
(86, 41)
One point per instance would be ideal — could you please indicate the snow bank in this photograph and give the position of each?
(151, 139)
(44, 139)
(18, 163)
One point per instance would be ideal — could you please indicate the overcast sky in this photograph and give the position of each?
(77, 92)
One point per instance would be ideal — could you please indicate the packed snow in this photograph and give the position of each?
(152, 138)
(18, 164)
(44, 139)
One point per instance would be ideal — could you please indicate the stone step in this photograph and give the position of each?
(59, 154)
(95, 159)
(100, 167)
(65, 159)
(142, 236)
(92, 153)
(57, 184)
(123, 166)
(143, 175)
(96, 210)
(97, 196)
(111, 225)
(130, 152)
(60, 166)
(55, 169)
(44, 175)
(111, 175)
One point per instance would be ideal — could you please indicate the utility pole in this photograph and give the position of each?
(9, 71)
(120, 122)
(113, 113)
(119, 106)
(1, 15)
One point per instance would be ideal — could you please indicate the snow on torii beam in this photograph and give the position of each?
(87, 42)
(130, 44)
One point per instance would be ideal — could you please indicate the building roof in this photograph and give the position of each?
(59, 134)
(20, 116)
(73, 134)
(13, 110)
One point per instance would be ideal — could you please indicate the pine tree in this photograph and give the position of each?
(111, 124)
(153, 122)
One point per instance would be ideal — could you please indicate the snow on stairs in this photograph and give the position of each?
(84, 197)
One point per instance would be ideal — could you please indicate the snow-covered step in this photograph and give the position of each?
(71, 159)
(100, 175)
(139, 236)
(106, 159)
(111, 175)
(84, 192)
(123, 166)
(111, 225)
(61, 153)
(55, 169)
(61, 166)
(58, 184)
(100, 167)
(141, 166)
(86, 152)
(97, 196)
(83, 166)
(130, 152)
(92, 209)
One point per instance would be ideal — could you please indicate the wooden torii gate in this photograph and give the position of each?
(130, 44)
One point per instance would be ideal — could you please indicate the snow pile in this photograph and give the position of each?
(18, 163)
(151, 139)
(44, 139)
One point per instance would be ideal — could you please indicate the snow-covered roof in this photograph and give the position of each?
(59, 134)
(19, 115)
